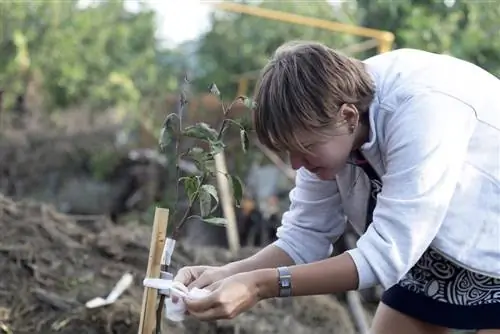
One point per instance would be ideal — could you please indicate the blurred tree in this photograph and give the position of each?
(101, 55)
(465, 29)
(238, 43)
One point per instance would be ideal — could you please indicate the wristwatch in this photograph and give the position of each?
(284, 282)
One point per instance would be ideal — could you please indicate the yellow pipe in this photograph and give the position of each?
(380, 35)
(385, 45)
(242, 86)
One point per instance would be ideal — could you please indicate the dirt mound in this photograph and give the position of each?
(40, 162)
(51, 266)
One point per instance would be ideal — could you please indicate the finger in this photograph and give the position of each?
(201, 304)
(184, 276)
(201, 282)
(213, 313)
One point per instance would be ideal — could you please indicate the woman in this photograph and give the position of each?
(406, 146)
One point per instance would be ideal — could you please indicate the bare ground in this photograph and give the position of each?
(51, 265)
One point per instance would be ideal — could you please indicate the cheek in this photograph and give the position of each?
(333, 155)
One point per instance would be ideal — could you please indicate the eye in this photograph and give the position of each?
(308, 146)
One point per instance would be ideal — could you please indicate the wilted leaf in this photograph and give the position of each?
(183, 99)
(210, 189)
(245, 122)
(245, 142)
(216, 221)
(168, 131)
(201, 131)
(205, 203)
(213, 89)
(249, 103)
(165, 138)
(171, 121)
(237, 189)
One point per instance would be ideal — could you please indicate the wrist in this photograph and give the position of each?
(233, 268)
(266, 283)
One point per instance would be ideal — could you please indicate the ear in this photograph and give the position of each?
(349, 115)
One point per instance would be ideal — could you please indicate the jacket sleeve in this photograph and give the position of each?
(314, 220)
(425, 146)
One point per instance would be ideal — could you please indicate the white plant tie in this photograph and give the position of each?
(174, 311)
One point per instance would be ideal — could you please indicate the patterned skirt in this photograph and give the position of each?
(438, 291)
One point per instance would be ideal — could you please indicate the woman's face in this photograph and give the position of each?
(328, 155)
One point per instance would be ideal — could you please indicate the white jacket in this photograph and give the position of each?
(435, 142)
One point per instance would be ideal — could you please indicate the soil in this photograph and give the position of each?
(51, 265)
(59, 157)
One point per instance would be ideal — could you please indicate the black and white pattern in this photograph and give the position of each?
(376, 188)
(440, 279)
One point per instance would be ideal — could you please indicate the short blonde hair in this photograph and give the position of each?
(301, 90)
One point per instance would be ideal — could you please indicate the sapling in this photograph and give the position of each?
(200, 192)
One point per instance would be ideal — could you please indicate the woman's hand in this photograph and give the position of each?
(233, 295)
(201, 276)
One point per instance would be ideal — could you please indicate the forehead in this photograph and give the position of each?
(310, 137)
(303, 143)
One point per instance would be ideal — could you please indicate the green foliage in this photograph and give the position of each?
(240, 43)
(237, 186)
(465, 29)
(197, 187)
(101, 55)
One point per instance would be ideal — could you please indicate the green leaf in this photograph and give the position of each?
(212, 191)
(245, 141)
(203, 160)
(209, 166)
(196, 150)
(207, 191)
(249, 103)
(201, 131)
(197, 153)
(237, 189)
(216, 221)
(217, 146)
(191, 184)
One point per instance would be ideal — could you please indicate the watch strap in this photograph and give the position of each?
(284, 282)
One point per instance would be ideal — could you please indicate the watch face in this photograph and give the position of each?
(286, 283)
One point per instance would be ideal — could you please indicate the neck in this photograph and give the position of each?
(362, 135)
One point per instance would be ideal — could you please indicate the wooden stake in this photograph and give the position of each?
(227, 202)
(354, 300)
(158, 237)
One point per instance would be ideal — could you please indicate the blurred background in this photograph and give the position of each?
(84, 89)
